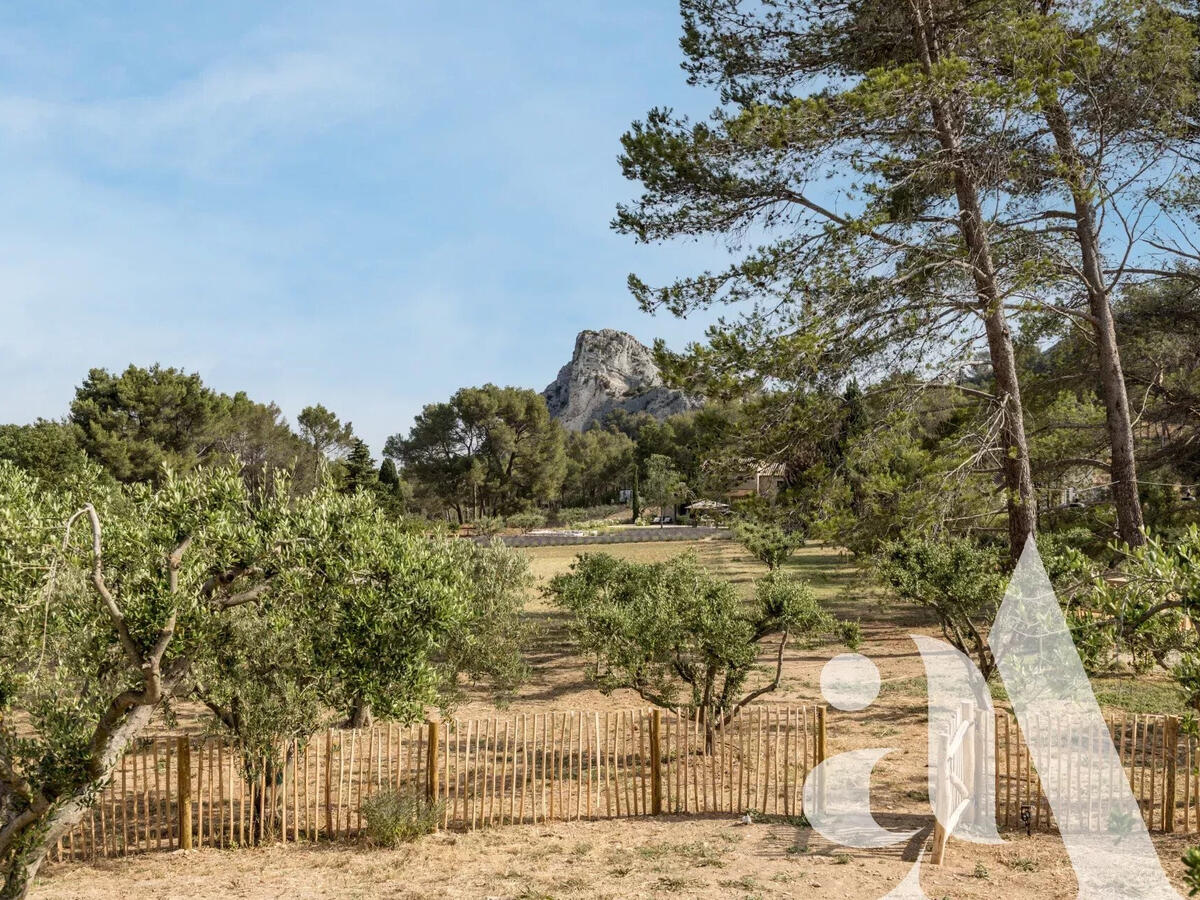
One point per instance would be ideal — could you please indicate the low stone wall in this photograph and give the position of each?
(647, 534)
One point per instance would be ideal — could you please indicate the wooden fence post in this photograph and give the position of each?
(966, 712)
(656, 762)
(941, 811)
(1171, 752)
(184, 772)
(431, 772)
(820, 750)
(329, 784)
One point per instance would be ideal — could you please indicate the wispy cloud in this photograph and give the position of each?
(367, 207)
(230, 116)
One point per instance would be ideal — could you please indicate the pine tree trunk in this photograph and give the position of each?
(637, 500)
(1020, 499)
(1130, 523)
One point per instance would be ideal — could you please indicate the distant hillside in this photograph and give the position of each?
(611, 370)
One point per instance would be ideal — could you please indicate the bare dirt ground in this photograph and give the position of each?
(710, 858)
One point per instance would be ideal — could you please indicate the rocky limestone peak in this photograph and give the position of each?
(611, 370)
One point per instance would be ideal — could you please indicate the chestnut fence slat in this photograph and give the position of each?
(1157, 761)
(192, 791)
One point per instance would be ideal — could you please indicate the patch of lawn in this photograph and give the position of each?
(1153, 694)
(1139, 694)
(916, 686)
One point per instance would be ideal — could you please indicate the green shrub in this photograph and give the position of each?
(488, 525)
(572, 516)
(396, 817)
(959, 581)
(768, 542)
(526, 521)
(852, 634)
(1146, 609)
(578, 515)
(1191, 876)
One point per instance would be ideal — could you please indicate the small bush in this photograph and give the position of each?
(526, 521)
(395, 818)
(1191, 877)
(767, 542)
(579, 515)
(488, 525)
(852, 634)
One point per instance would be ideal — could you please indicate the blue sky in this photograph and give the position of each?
(366, 205)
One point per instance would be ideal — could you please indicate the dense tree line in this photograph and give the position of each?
(487, 452)
(496, 452)
(145, 422)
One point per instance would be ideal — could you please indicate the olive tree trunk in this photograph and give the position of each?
(27, 837)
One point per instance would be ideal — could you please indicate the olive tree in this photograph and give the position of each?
(377, 619)
(108, 596)
(958, 581)
(767, 542)
(675, 634)
(273, 608)
(486, 643)
(350, 628)
(1148, 603)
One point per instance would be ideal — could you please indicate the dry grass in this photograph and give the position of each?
(649, 858)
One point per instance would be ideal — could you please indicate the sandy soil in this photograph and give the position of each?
(653, 858)
(646, 858)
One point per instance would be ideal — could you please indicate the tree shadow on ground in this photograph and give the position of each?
(790, 840)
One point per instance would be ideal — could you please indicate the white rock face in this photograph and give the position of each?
(611, 370)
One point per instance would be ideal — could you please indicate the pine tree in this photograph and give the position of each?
(873, 159)
(358, 469)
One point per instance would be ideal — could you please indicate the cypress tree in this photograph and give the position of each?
(359, 468)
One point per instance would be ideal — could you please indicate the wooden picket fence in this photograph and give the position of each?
(1158, 761)
(191, 791)
(959, 768)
